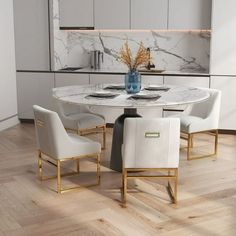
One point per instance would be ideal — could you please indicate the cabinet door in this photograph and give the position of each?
(227, 86)
(8, 106)
(106, 79)
(112, 14)
(152, 79)
(76, 13)
(187, 81)
(33, 89)
(149, 14)
(31, 34)
(223, 38)
(189, 14)
(68, 79)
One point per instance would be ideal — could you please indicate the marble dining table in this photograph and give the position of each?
(114, 95)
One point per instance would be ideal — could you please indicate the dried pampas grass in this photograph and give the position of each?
(142, 57)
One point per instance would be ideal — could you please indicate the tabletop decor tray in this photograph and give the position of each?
(145, 96)
(103, 95)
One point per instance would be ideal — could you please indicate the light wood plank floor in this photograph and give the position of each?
(207, 195)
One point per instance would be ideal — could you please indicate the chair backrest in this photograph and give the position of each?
(50, 132)
(208, 109)
(65, 109)
(151, 143)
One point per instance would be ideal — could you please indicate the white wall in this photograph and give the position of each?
(8, 99)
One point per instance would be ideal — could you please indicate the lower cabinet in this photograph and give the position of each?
(227, 85)
(33, 89)
(69, 79)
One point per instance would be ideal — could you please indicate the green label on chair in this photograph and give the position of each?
(152, 135)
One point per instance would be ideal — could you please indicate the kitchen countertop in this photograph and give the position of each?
(118, 71)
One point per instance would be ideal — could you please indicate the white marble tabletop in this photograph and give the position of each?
(176, 95)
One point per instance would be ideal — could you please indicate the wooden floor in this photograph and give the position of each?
(207, 195)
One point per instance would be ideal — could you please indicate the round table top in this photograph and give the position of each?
(169, 95)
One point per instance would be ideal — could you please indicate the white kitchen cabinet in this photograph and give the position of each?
(106, 79)
(69, 79)
(202, 82)
(112, 14)
(31, 34)
(190, 14)
(187, 81)
(227, 86)
(223, 38)
(152, 79)
(76, 13)
(8, 104)
(149, 14)
(33, 89)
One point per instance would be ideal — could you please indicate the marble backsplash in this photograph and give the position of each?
(186, 51)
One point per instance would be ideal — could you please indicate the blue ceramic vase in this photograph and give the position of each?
(133, 81)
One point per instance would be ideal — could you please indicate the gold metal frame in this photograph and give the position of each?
(92, 130)
(170, 176)
(189, 138)
(57, 163)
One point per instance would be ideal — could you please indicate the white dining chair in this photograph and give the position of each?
(81, 120)
(201, 117)
(151, 145)
(56, 146)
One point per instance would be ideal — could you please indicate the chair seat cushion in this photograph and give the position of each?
(190, 124)
(83, 121)
(186, 123)
(79, 146)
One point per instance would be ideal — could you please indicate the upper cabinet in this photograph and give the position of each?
(189, 14)
(149, 14)
(223, 38)
(76, 13)
(112, 14)
(136, 14)
(31, 34)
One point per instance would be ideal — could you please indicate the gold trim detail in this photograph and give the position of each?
(58, 163)
(152, 134)
(127, 174)
(189, 138)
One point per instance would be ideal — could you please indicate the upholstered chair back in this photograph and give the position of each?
(151, 143)
(65, 109)
(208, 109)
(51, 135)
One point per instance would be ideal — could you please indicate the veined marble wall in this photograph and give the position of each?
(170, 50)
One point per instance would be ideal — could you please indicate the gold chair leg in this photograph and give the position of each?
(40, 170)
(190, 145)
(58, 176)
(176, 186)
(173, 192)
(191, 141)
